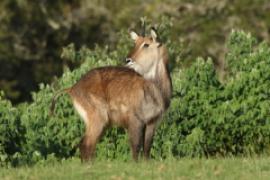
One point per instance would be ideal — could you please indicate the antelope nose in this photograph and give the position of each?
(128, 60)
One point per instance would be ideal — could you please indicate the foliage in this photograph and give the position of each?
(230, 118)
(33, 33)
(11, 131)
(206, 117)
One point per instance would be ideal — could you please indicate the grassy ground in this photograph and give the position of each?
(231, 168)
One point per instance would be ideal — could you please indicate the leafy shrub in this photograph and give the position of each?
(225, 119)
(206, 117)
(11, 132)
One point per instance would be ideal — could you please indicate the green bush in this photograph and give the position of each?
(206, 117)
(225, 119)
(11, 132)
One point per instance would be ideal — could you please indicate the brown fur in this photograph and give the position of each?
(124, 97)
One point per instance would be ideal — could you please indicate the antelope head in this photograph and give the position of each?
(148, 56)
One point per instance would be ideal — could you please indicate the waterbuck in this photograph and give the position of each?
(133, 96)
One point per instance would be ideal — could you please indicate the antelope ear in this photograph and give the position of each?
(133, 35)
(153, 34)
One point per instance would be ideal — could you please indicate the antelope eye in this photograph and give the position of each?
(146, 45)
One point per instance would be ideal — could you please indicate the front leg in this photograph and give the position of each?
(148, 139)
(136, 135)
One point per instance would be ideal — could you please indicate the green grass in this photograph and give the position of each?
(227, 168)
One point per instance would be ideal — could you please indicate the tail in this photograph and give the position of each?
(54, 99)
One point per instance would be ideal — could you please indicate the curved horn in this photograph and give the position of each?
(154, 32)
(143, 25)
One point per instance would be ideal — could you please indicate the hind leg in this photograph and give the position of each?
(92, 134)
